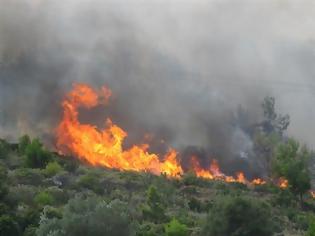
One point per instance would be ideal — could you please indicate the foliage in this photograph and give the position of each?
(291, 163)
(238, 216)
(195, 204)
(154, 210)
(43, 198)
(8, 227)
(4, 149)
(175, 228)
(311, 228)
(27, 216)
(52, 169)
(149, 229)
(273, 121)
(91, 181)
(24, 141)
(3, 182)
(27, 176)
(36, 201)
(88, 217)
(36, 155)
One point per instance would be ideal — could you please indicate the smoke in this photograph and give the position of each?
(179, 70)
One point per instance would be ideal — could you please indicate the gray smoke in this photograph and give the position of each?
(178, 69)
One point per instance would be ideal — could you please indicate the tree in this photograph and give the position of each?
(290, 162)
(36, 155)
(268, 133)
(175, 228)
(238, 216)
(273, 121)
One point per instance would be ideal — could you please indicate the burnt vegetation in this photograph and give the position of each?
(43, 193)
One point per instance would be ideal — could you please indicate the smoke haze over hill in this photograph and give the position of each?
(177, 69)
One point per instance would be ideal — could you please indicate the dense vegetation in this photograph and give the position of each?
(42, 193)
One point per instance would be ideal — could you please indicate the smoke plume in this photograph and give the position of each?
(179, 70)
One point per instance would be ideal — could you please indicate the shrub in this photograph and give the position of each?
(291, 162)
(91, 181)
(36, 155)
(52, 169)
(195, 205)
(3, 182)
(88, 217)
(238, 216)
(311, 228)
(44, 198)
(24, 141)
(22, 194)
(150, 229)
(59, 195)
(30, 231)
(175, 228)
(154, 208)
(27, 216)
(4, 149)
(27, 176)
(8, 226)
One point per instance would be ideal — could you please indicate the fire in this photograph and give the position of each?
(105, 147)
(283, 183)
(214, 172)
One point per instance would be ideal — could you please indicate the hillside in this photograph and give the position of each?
(57, 195)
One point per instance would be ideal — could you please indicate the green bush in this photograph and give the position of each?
(91, 181)
(284, 198)
(175, 228)
(30, 231)
(27, 176)
(27, 216)
(52, 169)
(59, 195)
(154, 210)
(195, 204)
(4, 149)
(88, 217)
(311, 228)
(3, 181)
(150, 229)
(44, 198)
(8, 226)
(22, 194)
(24, 141)
(36, 156)
(238, 216)
(291, 162)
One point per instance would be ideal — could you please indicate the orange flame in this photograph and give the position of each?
(283, 183)
(214, 172)
(105, 147)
